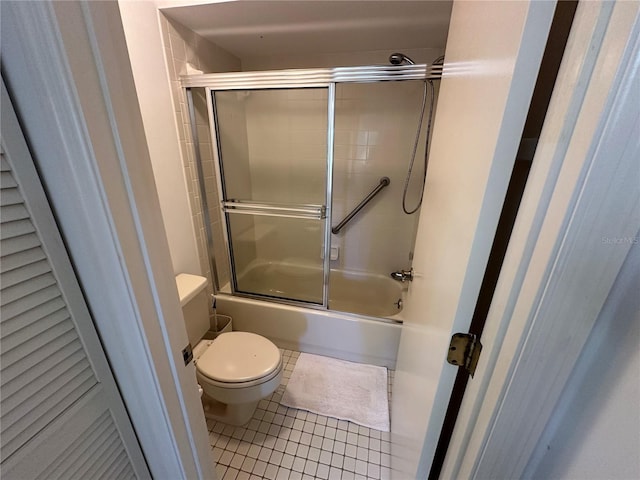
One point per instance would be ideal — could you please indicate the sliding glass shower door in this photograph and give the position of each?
(273, 160)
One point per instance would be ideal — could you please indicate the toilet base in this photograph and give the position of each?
(232, 414)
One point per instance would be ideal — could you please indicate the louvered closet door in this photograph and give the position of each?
(61, 415)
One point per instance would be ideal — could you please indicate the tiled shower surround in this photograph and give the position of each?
(278, 153)
(374, 132)
(287, 443)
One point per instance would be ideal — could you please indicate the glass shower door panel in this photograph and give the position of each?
(273, 160)
(273, 144)
(278, 257)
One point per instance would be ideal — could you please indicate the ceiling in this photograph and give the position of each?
(266, 28)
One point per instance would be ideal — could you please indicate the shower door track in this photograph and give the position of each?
(283, 79)
(317, 77)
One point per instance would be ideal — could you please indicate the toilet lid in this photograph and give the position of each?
(239, 357)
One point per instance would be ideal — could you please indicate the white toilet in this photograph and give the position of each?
(237, 369)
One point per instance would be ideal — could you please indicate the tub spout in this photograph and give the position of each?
(403, 275)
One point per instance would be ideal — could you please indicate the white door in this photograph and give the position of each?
(493, 54)
(62, 413)
(578, 219)
(558, 269)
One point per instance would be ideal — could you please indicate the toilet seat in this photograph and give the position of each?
(202, 378)
(239, 360)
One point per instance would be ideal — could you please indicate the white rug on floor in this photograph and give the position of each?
(344, 390)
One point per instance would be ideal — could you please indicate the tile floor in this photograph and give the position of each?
(287, 443)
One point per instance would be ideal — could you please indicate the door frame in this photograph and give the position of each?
(573, 202)
(72, 58)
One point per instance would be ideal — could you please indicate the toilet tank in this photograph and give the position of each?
(195, 305)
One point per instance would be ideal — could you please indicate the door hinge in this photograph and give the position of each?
(464, 351)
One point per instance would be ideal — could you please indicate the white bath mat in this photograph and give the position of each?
(339, 389)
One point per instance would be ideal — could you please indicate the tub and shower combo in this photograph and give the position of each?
(305, 178)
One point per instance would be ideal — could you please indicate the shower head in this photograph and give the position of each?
(399, 59)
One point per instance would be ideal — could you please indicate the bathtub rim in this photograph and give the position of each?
(398, 318)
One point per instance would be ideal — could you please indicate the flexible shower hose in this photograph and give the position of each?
(415, 149)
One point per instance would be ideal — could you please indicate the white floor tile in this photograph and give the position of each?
(325, 457)
(349, 464)
(287, 461)
(259, 468)
(322, 472)
(230, 474)
(220, 470)
(271, 472)
(283, 474)
(362, 454)
(236, 461)
(348, 475)
(337, 460)
(335, 473)
(281, 443)
(276, 457)
(225, 458)
(351, 451)
(361, 467)
(314, 454)
(310, 467)
(298, 464)
(373, 471)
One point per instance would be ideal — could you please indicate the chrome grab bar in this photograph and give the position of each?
(384, 181)
(275, 209)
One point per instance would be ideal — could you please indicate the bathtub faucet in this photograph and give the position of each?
(403, 275)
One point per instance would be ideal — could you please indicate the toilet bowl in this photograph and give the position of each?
(237, 369)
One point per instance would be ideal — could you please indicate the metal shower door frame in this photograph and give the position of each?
(213, 124)
(283, 79)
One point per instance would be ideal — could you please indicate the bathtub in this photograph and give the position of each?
(360, 293)
(369, 336)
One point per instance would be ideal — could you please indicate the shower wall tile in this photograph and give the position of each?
(287, 132)
(375, 129)
(374, 135)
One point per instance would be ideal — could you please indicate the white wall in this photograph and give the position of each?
(594, 432)
(144, 43)
(160, 50)
(345, 59)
